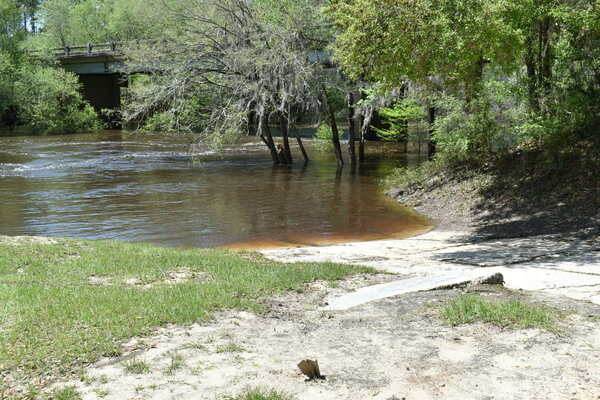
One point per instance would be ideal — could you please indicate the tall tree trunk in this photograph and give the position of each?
(432, 144)
(351, 129)
(366, 126)
(545, 60)
(539, 57)
(284, 125)
(534, 101)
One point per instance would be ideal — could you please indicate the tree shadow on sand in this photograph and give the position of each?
(530, 195)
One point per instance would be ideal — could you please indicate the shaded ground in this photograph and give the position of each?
(392, 349)
(521, 196)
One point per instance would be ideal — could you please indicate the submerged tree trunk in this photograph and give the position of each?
(335, 133)
(335, 139)
(284, 127)
(365, 126)
(299, 140)
(267, 137)
(364, 131)
(351, 129)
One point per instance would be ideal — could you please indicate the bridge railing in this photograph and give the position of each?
(91, 49)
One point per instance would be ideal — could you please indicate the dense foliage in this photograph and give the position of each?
(501, 74)
(490, 76)
(74, 22)
(33, 92)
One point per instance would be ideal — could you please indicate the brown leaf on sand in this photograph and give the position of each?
(311, 369)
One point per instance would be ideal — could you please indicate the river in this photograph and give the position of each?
(115, 185)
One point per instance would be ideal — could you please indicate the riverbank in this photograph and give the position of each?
(536, 222)
(395, 347)
(524, 194)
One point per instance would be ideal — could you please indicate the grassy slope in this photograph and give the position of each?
(53, 319)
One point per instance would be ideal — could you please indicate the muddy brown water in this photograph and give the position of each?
(114, 185)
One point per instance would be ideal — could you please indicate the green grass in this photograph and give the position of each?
(230, 348)
(176, 363)
(53, 319)
(261, 394)
(136, 367)
(67, 393)
(471, 308)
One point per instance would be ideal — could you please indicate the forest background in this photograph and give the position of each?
(484, 79)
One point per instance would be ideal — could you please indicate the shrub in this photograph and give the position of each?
(49, 101)
(323, 137)
(398, 117)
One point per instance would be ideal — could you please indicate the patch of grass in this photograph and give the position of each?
(334, 284)
(101, 392)
(53, 320)
(176, 363)
(136, 367)
(195, 346)
(230, 348)
(67, 393)
(471, 308)
(261, 394)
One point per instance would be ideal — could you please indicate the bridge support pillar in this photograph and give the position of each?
(103, 91)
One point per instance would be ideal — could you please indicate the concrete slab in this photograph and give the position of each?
(552, 263)
(378, 292)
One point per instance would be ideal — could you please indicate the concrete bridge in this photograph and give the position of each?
(98, 67)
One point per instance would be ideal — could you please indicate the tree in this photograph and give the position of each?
(77, 22)
(45, 98)
(504, 72)
(394, 41)
(249, 59)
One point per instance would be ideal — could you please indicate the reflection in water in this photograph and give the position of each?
(113, 186)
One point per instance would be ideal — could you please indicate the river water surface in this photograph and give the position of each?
(113, 185)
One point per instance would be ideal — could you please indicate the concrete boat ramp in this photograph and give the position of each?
(556, 264)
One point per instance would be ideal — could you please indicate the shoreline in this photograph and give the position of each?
(563, 262)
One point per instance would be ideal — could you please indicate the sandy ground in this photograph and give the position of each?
(391, 349)
(394, 348)
(558, 264)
